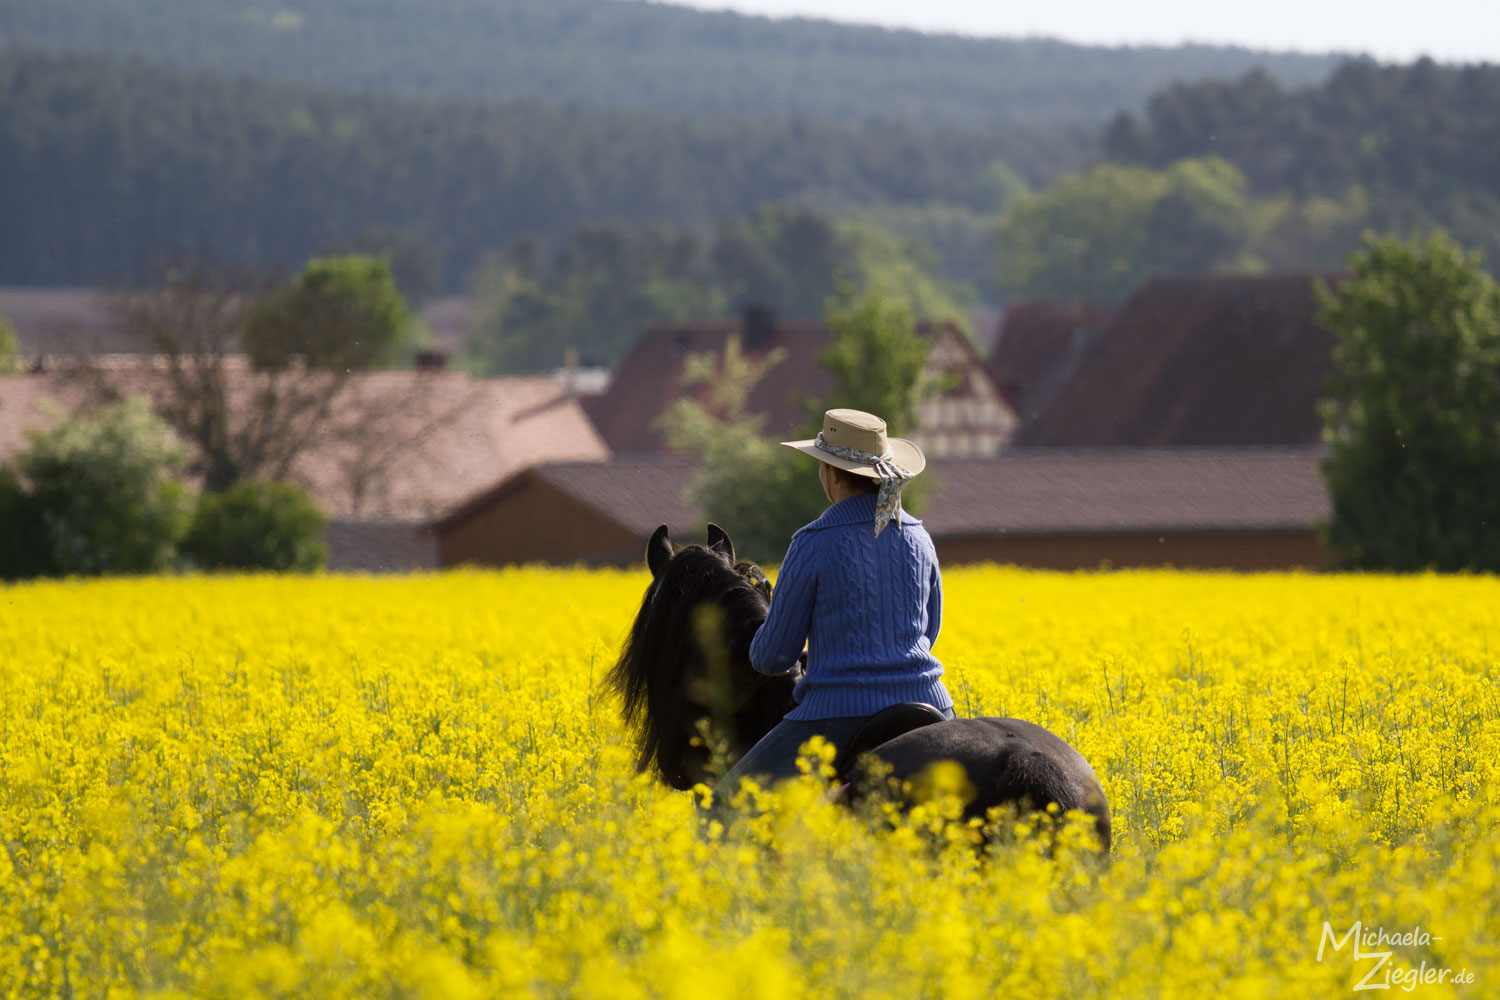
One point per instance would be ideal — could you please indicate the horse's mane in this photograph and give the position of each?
(663, 674)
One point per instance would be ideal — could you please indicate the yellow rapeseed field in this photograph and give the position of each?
(329, 786)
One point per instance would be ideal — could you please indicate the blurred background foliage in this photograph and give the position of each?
(581, 169)
(104, 492)
(1413, 414)
(605, 53)
(589, 219)
(766, 491)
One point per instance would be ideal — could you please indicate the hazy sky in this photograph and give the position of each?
(1448, 30)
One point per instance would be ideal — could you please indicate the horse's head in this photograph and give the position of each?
(688, 657)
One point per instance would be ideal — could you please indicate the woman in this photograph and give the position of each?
(860, 585)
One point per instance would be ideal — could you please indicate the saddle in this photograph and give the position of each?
(884, 726)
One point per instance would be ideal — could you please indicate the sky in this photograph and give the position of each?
(1447, 30)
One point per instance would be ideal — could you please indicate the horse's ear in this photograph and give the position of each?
(718, 541)
(658, 551)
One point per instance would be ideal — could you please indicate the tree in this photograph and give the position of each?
(245, 422)
(1413, 409)
(106, 492)
(905, 269)
(879, 364)
(258, 525)
(959, 244)
(341, 313)
(415, 265)
(1201, 221)
(10, 349)
(24, 548)
(877, 358)
(783, 256)
(1081, 239)
(608, 281)
(997, 186)
(604, 283)
(1094, 237)
(761, 491)
(1313, 234)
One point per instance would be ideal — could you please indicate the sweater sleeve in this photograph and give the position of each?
(934, 605)
(778, 642)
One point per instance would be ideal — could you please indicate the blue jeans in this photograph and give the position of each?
(775, 756)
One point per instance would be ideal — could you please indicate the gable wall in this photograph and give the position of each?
(969, 419)
(536, 522)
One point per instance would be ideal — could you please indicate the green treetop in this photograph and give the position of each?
(342, 313)
(1413, 411)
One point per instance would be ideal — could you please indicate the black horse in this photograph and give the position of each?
(687, 659)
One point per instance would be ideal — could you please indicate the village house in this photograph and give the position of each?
(1187, 360)
(1036, 347)
(398, 449)
(1208, 508)
(968, 417)
(1179, 429)
(593, 513)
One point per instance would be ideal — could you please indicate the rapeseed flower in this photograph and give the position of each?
(346, 786)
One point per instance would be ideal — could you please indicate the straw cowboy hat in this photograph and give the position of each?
(857, 433)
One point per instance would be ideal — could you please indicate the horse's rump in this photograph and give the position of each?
(1006, 761)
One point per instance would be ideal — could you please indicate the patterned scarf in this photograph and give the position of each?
(892, 479)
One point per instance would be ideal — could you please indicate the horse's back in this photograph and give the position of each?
(1007, 761)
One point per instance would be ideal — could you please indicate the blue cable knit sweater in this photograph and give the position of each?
(869, 609)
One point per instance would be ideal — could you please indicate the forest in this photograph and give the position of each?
(1422, 129)
(599, 288)
(109, 162)
(1420, 141)
(579, 222)
(609, 53)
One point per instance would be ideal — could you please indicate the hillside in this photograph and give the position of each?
(108, 163)
(623, 53)
(1416, 142)
(1410, 128)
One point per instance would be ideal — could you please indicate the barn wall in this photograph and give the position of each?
(1270, 550)
(536, 522)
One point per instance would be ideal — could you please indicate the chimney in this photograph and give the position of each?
(430, 361)
(759, 327)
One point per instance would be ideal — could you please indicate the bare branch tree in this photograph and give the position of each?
(188, 322)
(386, 420)
(246, 422)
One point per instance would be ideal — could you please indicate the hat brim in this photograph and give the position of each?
(903, 452)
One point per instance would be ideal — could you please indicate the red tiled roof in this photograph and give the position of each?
(434, 437)
(1040, 492)
(1037, 345)
(649, 378)
(457, 435)
(1067, 491)
(1202, 360)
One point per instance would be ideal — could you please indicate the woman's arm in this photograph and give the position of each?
(934, 604)
(778, 642)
